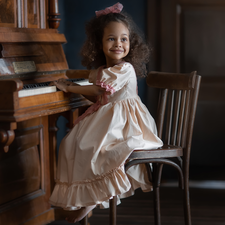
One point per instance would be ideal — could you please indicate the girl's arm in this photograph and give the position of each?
(89, 90)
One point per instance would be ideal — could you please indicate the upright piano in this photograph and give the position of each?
(31, 56)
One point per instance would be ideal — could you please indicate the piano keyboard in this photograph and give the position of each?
(44, 88)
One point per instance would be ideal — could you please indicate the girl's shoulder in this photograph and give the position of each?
(121, 68)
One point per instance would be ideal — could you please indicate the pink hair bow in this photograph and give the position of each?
(117, 8)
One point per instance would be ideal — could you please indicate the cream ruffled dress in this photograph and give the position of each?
(92, 155)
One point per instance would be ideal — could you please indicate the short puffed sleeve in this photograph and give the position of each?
(114, 78)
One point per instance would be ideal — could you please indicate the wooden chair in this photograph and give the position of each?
(178, 95)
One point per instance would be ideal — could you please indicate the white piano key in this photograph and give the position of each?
(36, 91)
(83, 82)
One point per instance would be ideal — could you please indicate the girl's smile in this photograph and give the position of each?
(115, 43)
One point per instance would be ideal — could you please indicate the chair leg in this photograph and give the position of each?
(84, 221)
(112, 213)
(186, 202)
(157, 171)
(156, 202)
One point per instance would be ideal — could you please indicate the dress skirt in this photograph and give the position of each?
(92, 155)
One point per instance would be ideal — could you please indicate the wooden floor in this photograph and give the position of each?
(207, 208)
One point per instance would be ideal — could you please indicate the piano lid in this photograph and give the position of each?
(35, 51)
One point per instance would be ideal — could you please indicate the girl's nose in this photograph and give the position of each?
(118, 43)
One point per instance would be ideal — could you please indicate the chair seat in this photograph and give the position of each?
(166, 151)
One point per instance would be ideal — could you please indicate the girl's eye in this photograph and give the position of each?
(123, 39)
(111, 39)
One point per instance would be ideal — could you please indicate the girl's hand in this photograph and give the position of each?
(61, 84)
(68, 83)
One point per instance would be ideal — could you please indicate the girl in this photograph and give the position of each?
(92, 155)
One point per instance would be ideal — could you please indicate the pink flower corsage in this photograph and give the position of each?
(106, 86)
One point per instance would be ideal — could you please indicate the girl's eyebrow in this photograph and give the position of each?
(114, 35)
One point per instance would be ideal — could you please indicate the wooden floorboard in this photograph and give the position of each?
(207, 208)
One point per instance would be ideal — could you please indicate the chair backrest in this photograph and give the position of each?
(178, 95)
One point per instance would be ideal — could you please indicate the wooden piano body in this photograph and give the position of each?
(28, 124)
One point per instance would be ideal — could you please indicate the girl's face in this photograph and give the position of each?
(115, 43)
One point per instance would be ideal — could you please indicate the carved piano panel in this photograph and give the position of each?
(29, 13)
(24, 153)
(8, 13)
(26, 180)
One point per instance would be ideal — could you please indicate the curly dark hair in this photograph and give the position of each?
(92, 53)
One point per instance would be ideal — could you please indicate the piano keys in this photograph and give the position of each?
(44, 88)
